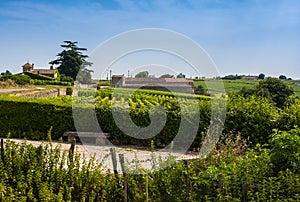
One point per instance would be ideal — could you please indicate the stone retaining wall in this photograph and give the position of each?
(46, 93)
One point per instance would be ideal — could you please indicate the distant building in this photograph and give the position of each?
(165, 84)
(51, 73)
(249, 77)
(297, 84)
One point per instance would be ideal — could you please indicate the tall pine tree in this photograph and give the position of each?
(72, 62)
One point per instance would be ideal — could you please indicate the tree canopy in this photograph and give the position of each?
(166, 76)
(261, 76)
(72, 61)
(6, 73)
(180, 75)
(282, 77)
(144, 74)
(276, 89)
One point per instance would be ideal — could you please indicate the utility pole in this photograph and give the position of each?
(128, 73)
(110, 71)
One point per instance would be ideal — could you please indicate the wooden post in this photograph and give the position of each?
(2, 150)
(40, 153)
(114, 159)
(187, 181)
(72, 149)
(147, 188)
(122, 162)
(220, 185)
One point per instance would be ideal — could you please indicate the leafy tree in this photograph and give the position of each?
(232, 77)
(180, 75)
(144, 74)
(84, 76)
(71, 60)
(166, 76)
(199, 89)
(6, 73)
(261, 76)
(66, 78)
(20, 79)
(285, 149)
(275, 89)
(282, 77)
(246, 92)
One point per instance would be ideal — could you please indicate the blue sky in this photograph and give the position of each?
(241, 36)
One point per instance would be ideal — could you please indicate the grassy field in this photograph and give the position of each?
(236, 85)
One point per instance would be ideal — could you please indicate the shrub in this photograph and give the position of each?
(285, 151)
(32, 118)
(69, 90)
(20, 79)
(66, 78)
(275, 89)
(49, 82)
(254, 117)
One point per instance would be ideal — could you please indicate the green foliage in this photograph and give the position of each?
(231, 77)
(274, 89)
(103, 83)
(86, 93)
(66, 78)
(71, 61)
(261, 76)
(234, 86)
(144, 74)
(20, 79)
(49, 82)
(6, 73)
(282, 77)
(290, 115)
(69, 90)
(180, 75)
(254, 117)
(84, 76)
(39, 76)
(286, 150)
(29, 173)
(32, 118)
(201, 90)
(166, 76)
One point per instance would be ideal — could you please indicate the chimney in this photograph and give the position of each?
(51, 67)
(32, 66)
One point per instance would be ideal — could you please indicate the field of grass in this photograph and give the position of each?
(233, 86)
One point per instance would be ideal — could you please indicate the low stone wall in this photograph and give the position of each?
(45, 93)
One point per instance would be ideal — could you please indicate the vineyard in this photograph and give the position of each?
(141, 105)
(256, 159)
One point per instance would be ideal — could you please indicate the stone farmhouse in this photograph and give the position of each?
(50, 73)
(182, 85)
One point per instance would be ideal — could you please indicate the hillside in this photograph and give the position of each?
(237, 85)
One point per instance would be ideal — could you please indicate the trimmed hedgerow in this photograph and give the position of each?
(254, 117)
(32, 118)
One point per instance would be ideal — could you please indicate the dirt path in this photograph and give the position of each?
(13, 90)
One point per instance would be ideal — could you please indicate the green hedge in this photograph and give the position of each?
(49, 82)
(32, 118)
(255, 118)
